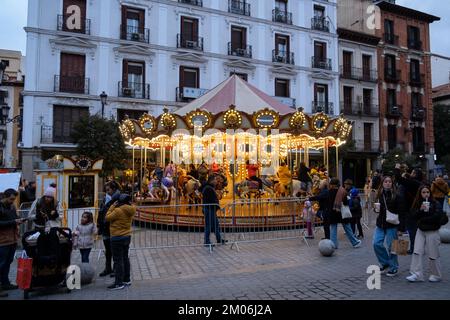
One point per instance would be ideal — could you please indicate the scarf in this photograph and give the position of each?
(339, 198)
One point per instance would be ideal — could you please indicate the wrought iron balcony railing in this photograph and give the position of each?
(134, 90)
(132, 33)
(71, 84)
(417, 80)
(195, 43)
(391, 39)
(320, 23)
(418, 114)
(325, 107)
(281, 16)
(239, 7)
(240, 51)
(415, 45)
(283, 57)
(321, 63)
(359, 74)
(64, 24)
(359, 109)
(392, 75)
(193, 2)
(394, 111)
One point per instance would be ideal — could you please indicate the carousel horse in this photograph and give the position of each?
(247, 188)
(192, 191)
(295, 189)
(168, 186)
(183, 178)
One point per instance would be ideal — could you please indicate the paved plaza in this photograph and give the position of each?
(270, 270)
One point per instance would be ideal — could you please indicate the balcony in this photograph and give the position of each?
(71, 84)
(392, 76)
(320, 63)
(186, 94)
(245, 52)
(137, 34)
(358, 74)
(239, 7)
(366, 145)
(391, 39)
(415, 45)
(325, 107)
(283, 57)
(281, 16)
(291, 102)
(320, 23)
(394, 111)
(417, 80)
(418, 114)
(49, 136)
(198, 3)
(84, 28)
(195, 43)
(359, 109)
(134, 90)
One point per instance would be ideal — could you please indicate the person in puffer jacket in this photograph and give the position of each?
(85, 234)
(429, 217)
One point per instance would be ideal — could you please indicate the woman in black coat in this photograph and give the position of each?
(324, 210)
(429, 218)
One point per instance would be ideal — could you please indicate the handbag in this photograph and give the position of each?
(400, 247)
(24, 271)
(391, 218)
(345, 212)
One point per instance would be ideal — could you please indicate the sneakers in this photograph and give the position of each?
(223, 241)
(392, 273)
(9, 287)
(384, 269)
(105, 273)
(434, 278)
(127, 283)
(116, 286)
(414, 278)
(357, 245)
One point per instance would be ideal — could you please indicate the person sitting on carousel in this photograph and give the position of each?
(170, 170)
(153, 186)
(284, 177)
(252, 171)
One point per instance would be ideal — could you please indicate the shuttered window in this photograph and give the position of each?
(64, 118)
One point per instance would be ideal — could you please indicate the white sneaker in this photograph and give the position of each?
(358, 244)
(414, 278)
(434, 278)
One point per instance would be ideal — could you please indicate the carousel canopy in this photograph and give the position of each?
(239, 93)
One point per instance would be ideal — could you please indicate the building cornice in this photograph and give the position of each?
(358, 37)
(407, 12)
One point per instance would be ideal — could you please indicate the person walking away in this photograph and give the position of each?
(354, 202)
(376, 180)
(120, 216)
(252, 172)
(324, 208)
(439, 189)
(46, 211)
(85, 236)
(210, 207)
(112, 195)
(303, 176)
(410, 186)
(337, 198)
(9, 234)
(429, 220)
(387, 200)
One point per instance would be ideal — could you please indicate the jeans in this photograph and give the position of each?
(348, 233)
(108, 253)
(326, 224)
(6, 258)
(120, 247)
(384, 256)
(211, 224)
(85, 255)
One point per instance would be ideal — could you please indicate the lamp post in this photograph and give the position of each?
(103, 97)
(2, 70)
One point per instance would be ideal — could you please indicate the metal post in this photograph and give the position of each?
(337, 161)
(132, 179)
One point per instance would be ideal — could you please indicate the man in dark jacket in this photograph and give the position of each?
(410, 187)
(324, 210)
(112, 195)
(9, 222)
(211, 205)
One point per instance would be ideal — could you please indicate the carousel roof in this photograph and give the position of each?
(239, 93)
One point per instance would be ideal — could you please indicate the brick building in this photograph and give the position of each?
(406, 117)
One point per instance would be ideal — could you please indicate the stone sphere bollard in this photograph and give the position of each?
(444, 233)
(87, 273)
(326, 248)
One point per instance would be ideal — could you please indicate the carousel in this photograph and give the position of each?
(229, 128)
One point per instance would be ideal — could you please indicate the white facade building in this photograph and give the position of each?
(440, 70)
(148, 54)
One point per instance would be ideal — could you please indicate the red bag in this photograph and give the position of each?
(24, 272)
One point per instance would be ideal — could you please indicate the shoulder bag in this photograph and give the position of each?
(391, 218)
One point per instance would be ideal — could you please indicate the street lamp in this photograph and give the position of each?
(103, 98)
(2, 70)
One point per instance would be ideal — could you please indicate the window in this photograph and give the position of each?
(320, 50)
(238, 38)
(418, 140)
(81, 191)
(367, 63)
(189, 77)
(281, 5)
(392, 137)
(414, 38)
(347, 57)
(390, 69)
(189, 33)
(414, 67)
(389, 30)
(72, 74)
(416, 100)
(321, 98)
(348, 100)
(391, 99)
(319, 12)
(133, 79)
(64, 118)
(133, 23)
(68, 23)
(367, 101)
(368, 136)
(282, 44)
(132, 114)
(243, 76)
(282, 88)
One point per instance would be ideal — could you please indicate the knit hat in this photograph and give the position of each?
(307, 204)
(50, 192)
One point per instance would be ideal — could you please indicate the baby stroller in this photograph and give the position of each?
(51, 252)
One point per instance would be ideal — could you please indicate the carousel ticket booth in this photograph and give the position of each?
(76, 181)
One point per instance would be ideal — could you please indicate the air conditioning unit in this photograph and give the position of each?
(193, 93)
(135, 36)
(190, 44)
(127, 92)
(279, 58)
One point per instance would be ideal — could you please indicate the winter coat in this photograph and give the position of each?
(120, 219)
(85, 236)
(431, 220)
(439, 188)
(355, 204)
(8, 226)
(395, 206)
(284, 175)
(102, 224)
(411, 186)
(336, 216)
(45, 212)
(303, 175)
(210, 197)
(323, 201)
